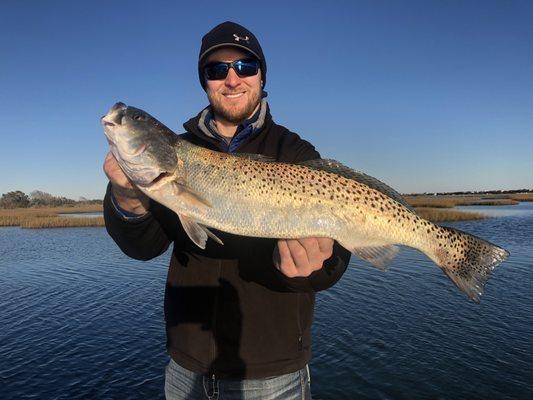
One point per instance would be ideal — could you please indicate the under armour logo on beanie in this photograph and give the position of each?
(238, 38)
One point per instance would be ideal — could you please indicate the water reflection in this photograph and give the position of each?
(522, 209)
(82, 215)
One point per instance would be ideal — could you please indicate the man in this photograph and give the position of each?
(238, 316)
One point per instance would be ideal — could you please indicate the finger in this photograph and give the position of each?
(111, 167)
(108, 163)
(109, 156)
(314, 255)
(115, 174)
(326, 247)
(286, 264)
(299, 257)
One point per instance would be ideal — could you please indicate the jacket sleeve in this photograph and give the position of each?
(295, 149)
(142, 238)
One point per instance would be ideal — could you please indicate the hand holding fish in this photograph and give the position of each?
(128, 197)
(302, 257)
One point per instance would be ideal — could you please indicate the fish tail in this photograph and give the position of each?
(466, 259)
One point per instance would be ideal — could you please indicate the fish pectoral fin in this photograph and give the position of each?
(379, 256)
(189, 196)
(196, 232)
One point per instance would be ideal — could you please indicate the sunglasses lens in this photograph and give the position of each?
(246, 67)
(216, 71)
(219, 70)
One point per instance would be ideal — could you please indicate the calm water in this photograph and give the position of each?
(82, 215)
(79, 320)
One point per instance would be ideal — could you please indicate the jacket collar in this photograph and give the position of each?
(203, 126)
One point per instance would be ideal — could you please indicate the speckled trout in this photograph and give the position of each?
(252, 195)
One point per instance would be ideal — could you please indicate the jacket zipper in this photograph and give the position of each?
(213, 323)
(300, 340)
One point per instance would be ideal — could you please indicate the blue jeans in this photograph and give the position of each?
(181, 384)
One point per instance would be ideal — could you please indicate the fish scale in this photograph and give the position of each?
(251, 195)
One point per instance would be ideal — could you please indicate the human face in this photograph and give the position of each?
(233, 99)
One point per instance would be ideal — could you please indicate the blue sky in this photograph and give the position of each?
(424, 95)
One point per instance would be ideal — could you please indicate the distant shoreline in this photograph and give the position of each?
(439, 208)
(49, 217)
(436, 208)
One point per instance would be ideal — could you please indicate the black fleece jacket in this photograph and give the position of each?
(229, 312)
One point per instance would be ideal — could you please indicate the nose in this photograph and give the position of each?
(232, 79)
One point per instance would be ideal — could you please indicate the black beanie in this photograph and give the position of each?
(233, 35)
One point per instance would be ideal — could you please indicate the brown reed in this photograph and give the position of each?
(522, 196)
(450, 201)
(48, 217)
(61, 222)
(440, 215)
(495, 202)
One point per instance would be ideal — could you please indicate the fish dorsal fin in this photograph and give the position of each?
(338, 168)
(254, 157)
(196, 232)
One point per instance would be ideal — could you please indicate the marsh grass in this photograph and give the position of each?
(496, 202)
(435, 208)
(49, 217)
(61, 222)
(442, 215)
(429, 202)
(522, 196)
(472, 200)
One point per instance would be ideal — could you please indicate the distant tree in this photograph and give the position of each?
(39, 194)
(14, 200)
(95, 201)
(40, 198)
(43, 199)
(61, 201)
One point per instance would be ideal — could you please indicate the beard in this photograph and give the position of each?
(234, 114)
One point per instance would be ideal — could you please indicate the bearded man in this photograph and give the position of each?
(238, 316)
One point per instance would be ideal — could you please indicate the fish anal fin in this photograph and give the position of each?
(196, 232)
(379, 256)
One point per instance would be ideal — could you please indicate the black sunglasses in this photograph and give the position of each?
(219, 69)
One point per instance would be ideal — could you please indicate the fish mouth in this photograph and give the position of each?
(114, 115)
(161, 176)
(160, 180)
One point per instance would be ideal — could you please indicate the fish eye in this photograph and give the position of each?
(138, 117)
